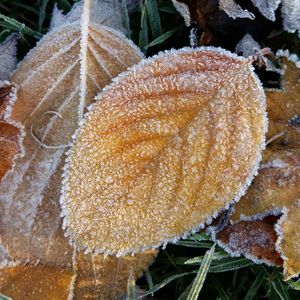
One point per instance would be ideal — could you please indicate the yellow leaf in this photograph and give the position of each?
(167, 146)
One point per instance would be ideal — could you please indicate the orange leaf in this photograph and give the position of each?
(166, 147)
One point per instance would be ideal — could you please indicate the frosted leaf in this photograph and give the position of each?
(233, 10)
(285, 105)
(273, 190)
(254, 239)
(180, 134)
(184, 10)
(56, 82)
(267, 7)
(8, 59)
(291, 15)
(10, 135)
(249, 47)
(276, 189)
(92, 277)
(105, 278)
(35, 282)
(102, 12)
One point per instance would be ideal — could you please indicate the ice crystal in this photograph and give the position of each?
(267, 7)
(233, 10)
(8, 59)
(184, 10)
(291, 15)
(249, 47)
(141, 172)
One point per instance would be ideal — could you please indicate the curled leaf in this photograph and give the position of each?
(166, 147)
(56, 81)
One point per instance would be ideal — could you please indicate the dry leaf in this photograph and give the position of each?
(35, 282)
(276, 189)
(93, 277)
(10, 137)
(106, 278)
(166, 147)
(56, 81)
(254, 239)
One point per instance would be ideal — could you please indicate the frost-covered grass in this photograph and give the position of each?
(153, 27)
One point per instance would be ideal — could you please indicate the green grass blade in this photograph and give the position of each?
(143, 34)
(201, 275)
(154, 18)
(125, 17)
(15, 25)
(199, 237)
(198, 260)
(149, 279)
(165, 282)
(185, 294)
(27, 7)
(164, 37)
(64, 5)
(42, 14)
(230, 265)
(3, 297)
(195, 244)
(294, 284)
(131, 294)
(280, 288)
(255, 286)
(218, 287)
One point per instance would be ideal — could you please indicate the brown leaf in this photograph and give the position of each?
(276, 189)
(167, 145)
(56, 82)
(35, 282)
(254, 239)
(9, 133)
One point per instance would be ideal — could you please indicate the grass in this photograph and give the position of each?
(195, 265)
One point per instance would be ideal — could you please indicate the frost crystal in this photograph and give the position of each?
(249, 47)
(167, 145)
(184, 10)
(291, 15)
(233, 10)
(8, 59)
(267, 7)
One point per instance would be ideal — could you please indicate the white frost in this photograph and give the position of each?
(234, 11)
(267, 7)
(8, 59)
